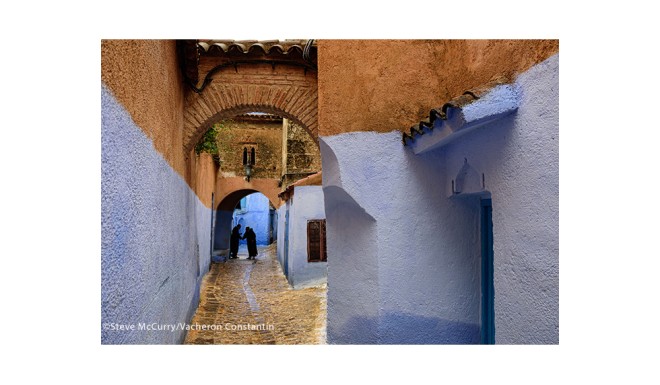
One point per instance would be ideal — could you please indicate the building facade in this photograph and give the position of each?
(446, 232)
(302, 241)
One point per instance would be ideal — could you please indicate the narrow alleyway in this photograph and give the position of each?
(250, 302)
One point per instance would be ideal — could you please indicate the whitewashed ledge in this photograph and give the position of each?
(497, 103)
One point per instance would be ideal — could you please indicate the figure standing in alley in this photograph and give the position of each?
(233, 242)
(251, 238)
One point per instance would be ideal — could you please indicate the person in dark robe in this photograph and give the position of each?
(233, 242)
(251, 238)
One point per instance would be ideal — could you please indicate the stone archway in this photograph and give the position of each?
(283, 90)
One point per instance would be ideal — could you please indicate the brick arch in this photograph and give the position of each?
(286, 91)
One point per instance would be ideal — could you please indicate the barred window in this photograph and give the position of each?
(316, 245)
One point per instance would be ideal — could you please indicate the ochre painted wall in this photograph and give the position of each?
(205, 171)
(385, 85)
(145, 78)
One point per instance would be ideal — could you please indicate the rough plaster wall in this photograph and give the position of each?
(281, 216)
(519, 158)
(428, 245)
(155, 234)
(307, 204)
(257, 217)
(426, 281)
(353, 297)
(204, 171)
(222, 229)
(145, 77)
(384, 85)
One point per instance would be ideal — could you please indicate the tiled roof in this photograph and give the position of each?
(302, 53)
(272, 48)
(468, 97)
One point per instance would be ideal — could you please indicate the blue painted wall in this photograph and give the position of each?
(223, 221)
(155, 235)
(256, 216)
(400, 272)
(306, 204)
(281, 233)
(405, 265)
(519, 157)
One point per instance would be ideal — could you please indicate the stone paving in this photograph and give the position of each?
(250, 302)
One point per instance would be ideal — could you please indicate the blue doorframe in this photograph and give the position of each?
(487, 286)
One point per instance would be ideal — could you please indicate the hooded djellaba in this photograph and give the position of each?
(251, 238)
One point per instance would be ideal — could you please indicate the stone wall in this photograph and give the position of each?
(264, 137)
(302, 153)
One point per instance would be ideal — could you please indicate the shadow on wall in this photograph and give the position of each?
(409, 329)
(352, 270)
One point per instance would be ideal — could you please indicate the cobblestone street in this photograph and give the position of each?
(250, 302)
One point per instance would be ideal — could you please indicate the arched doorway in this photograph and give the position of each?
(234, 209)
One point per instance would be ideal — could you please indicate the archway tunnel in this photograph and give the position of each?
(247, 207)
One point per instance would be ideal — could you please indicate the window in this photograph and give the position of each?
(316, 247)
(249, 157)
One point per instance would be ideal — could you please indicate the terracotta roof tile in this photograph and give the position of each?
(300, 52)
(458, 102)
(290, 49)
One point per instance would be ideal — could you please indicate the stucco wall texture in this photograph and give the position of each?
(306, 204)
(281, 233)
(155, 235)
(385, 85)
(519, 156)
(415, 276)
(145, 78)
(204, 170)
